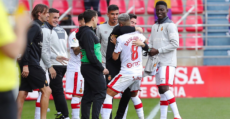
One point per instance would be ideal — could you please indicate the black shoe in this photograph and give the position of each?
(59, 116)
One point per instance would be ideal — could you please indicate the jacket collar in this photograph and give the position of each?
(39, 22)
(162, 21)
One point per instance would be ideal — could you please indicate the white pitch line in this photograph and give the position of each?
(153, 113)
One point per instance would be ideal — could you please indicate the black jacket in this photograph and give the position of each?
(87, 38)
(32, 54)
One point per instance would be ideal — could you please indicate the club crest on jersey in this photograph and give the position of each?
(74, 40)
(162, 28)
(105, 32)
(109, 77)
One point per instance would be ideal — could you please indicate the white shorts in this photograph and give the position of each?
(165, 75)
(120, 83)
(74, 83)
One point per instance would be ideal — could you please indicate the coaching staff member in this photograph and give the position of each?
(91, 68)
(33, 76)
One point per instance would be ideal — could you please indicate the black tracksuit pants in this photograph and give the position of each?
(8, 105)
(56, 86)
(94, 92)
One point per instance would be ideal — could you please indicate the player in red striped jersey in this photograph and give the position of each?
(74, 79)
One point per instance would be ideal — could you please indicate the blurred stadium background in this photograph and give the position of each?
(203, 72)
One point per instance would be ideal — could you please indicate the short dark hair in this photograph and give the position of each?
(80, 16)
(161, 3)
(38, 8)
(132, 16)
(112, 8)
(89, 14)
(52, 10)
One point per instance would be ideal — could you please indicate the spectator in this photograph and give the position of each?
(94, 4)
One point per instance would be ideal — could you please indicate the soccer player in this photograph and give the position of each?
(33, 76)
(163, 43)
(74, 79)
(11, 44)
(48, 33)
(130, 74)
(58, 46)
(126, 95)
(91, 67)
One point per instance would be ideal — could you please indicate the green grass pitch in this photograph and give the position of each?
(190, 108)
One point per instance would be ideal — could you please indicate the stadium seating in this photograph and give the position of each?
(139, 6)
(120, 3)
(78, 7)
(177, 6)
(61, 5)
(177, 18)
(191, 20)
(103, 7)
(216, 52)
(46, 2)
(189, 4)
(150, 21)
(101, 20)
(150, 7)
(190, 42)
(75, 20)
(141, 21)
(181, 42)
(26, 3)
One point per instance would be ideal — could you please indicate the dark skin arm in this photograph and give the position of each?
(153, 52)
(76, 50)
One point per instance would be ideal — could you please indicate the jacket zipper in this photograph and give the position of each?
(158, 27)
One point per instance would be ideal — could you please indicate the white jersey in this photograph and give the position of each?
(74, 63)
(131, 56)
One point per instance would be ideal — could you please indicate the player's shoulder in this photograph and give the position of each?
(102, 25)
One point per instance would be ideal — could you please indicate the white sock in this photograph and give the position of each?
(37, 108)
(138, 106)
(172, 102)
(107, 107)
(126, 111)
(58, 112)
(67, 118)
(164, 106)
(75, 105)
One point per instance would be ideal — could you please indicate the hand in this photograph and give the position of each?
(62, 59)
(139, 29)
(113, 39)
(105, 71)
(52, 73)
(153, 52)
(25, 71)
(138, 42)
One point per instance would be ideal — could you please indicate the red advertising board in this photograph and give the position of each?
(203, 81)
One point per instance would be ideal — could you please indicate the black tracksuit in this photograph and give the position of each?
(92, 71)
(31, 57)
(115, 66)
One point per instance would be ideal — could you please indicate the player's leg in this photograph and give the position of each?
(75, 105)
(163, 99)
(75, 87)
(38, 106)
(58, 92)
(135, 87)
(166, 75)
(46, 91)
(123, 105)
(20, 101)
(118, 84)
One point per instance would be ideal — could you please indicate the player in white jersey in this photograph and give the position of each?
(74, 79)
(130, 74)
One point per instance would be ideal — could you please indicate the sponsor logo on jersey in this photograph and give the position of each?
(162, 28)
(74, 40)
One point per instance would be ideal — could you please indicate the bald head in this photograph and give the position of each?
(124, 19)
